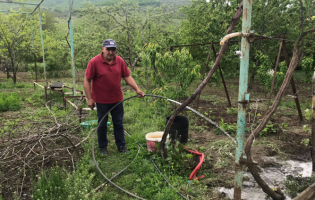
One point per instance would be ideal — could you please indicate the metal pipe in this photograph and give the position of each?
(18, 2)
(228, 36)
(72, 49)
(37, 6)
(15, 11)
(41, 36)
(243, 86)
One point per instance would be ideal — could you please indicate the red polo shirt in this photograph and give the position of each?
(106, 79)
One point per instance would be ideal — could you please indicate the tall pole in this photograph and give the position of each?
(312, 141)
(41, 36)
(242, 97)
(72, 48)
(34, 49)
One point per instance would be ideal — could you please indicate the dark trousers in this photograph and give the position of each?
(117, 116)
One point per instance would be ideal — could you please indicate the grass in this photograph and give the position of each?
(141, 178)
(10, 101)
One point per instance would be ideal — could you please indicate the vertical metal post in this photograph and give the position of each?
(34, 49)
(242, 96)
(72, 49)
(41, 35)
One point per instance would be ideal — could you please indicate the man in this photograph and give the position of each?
(104, 73)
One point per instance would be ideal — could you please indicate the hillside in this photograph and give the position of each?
(62, 5)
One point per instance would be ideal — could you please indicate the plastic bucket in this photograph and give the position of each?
(179, 129)
(152, 138)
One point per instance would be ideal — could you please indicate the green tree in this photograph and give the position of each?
(15, 41)
(132, 27)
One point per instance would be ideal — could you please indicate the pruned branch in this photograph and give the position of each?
(234, 21)
(294, 63)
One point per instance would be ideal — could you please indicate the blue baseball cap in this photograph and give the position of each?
(109, 43)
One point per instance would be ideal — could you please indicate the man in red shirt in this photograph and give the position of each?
(104, 73)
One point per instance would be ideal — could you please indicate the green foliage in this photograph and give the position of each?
(305, 142)
(229, 128)
(10, 85)
(176, 70)
(231, 110)
(308, 68)
(269, 129)
(51, 185)
(265, 74)
(308, 114)
(15, 41)
(295, 185)
(10, 101)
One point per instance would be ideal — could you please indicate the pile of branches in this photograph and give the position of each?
(26, 152)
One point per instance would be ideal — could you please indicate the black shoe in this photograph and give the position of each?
(104, 151)
(123, 149)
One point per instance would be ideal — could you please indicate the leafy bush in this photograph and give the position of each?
(9, 102)
(295, 185)
(265, 74)
(308, 68)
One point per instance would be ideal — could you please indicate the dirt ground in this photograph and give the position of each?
(285, 142)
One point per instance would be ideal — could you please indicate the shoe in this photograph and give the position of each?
(123, 149)
(104, 151)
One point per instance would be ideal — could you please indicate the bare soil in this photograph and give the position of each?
(285, 142)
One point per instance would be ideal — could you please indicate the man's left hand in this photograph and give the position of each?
(140, 93)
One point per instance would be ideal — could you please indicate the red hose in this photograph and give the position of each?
(201, 158)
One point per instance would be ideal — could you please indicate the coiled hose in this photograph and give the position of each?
(148, 95)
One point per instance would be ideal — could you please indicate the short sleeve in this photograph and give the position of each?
(124, 71)
(90, 70)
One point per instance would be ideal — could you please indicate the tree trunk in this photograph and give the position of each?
(252, 168)
(312, 141)
(233, 23)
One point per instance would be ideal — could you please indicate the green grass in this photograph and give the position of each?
(141, 178)
(10, 85)
(10, 101)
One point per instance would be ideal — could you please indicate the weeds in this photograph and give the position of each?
(10, 101)
(295, 185)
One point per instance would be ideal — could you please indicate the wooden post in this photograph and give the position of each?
(222, 77)
(312, 141)
(63, 99)
(50, 97)
(203, 76)
(46, 93)
(287, 62)
(80, 115)
(274, 76)
(35, 67)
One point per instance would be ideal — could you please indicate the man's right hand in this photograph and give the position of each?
(91, 103)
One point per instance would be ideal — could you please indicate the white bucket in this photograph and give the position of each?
(152, 138)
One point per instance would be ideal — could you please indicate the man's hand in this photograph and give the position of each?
(91, 103)
(140, 93)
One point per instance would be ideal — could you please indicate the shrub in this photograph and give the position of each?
(9, 102)
(51, 185)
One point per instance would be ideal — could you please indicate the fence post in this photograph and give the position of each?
(312, 142)
(243, 97)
